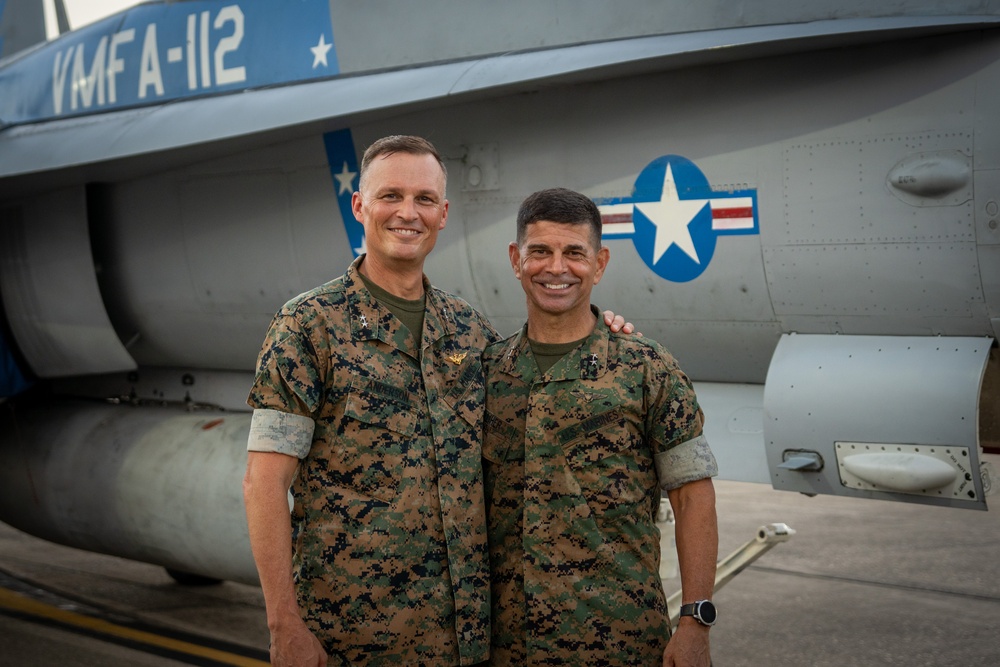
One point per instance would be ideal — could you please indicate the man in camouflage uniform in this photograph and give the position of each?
(583, 428)
(368, 402)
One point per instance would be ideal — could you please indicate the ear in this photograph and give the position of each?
(356, 204)
(603, 256)
(515, 258)
(444, 215)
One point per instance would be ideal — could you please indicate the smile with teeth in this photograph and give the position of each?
(555, 285)
(407, 232)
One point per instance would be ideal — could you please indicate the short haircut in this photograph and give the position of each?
(559, 205)
(399, 143)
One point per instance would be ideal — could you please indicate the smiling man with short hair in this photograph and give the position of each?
(368, 402)
(583, 429)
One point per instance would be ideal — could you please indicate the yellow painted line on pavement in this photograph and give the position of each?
(19, 603)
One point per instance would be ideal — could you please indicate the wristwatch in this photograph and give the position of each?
(703, 611)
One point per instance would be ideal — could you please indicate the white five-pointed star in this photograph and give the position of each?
(364, 246)
(346, 180)
(320, 51)
(671, 217)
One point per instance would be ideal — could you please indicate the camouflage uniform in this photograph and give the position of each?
(574, 464)
(388, 525)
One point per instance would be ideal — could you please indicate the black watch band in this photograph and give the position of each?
(702, 611)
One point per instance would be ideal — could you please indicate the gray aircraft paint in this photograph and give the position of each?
(866, 133)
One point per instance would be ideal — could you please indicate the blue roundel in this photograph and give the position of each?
(673, 234)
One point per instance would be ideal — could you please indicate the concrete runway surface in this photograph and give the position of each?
(861, 583)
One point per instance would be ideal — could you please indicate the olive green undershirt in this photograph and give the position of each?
(547, 354)
(408, 311)
(411, 313)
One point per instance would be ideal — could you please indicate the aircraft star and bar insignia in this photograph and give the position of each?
(674, 217)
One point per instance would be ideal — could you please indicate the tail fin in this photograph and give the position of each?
(24, 23)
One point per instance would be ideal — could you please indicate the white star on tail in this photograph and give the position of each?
(346, 180)
(320, 51)
(671, 217)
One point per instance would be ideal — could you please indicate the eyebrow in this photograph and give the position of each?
(546, 246)
(400, 188)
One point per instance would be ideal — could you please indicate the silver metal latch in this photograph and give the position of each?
(798, 459)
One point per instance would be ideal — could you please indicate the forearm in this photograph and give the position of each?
(697, 538)
(265, 492)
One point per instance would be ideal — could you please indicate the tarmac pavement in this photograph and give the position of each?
(860, 583)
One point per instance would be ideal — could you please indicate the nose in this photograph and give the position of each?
(407, 209)
(557, 263)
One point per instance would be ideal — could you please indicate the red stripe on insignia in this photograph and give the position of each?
(741, 212)
(616, 218)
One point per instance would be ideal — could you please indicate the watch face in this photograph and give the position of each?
(707, 612)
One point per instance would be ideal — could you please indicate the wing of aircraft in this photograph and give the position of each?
(801, 204)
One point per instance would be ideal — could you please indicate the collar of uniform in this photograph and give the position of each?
(517, 359)
(366, 314)
(589, 361)
(439, 318)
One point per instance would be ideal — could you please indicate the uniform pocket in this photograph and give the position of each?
(501, 441)
(595, 438)
(468, 394)
(602, 453)
(373, 440)
(382, 405)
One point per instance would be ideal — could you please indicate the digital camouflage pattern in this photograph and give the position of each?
(388, 526)
(572, 492)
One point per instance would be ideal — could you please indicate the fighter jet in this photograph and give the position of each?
(802, 203)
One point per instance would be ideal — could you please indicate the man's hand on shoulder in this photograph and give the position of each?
(293, 645)
(617, 323)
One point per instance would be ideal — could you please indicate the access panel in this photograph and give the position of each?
(886, 417)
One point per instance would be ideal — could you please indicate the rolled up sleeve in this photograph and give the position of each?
(687, 462)
(280, 432)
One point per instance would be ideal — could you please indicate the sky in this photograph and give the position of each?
(82, 12)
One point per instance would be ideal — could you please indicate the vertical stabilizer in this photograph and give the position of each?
(24, 23)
